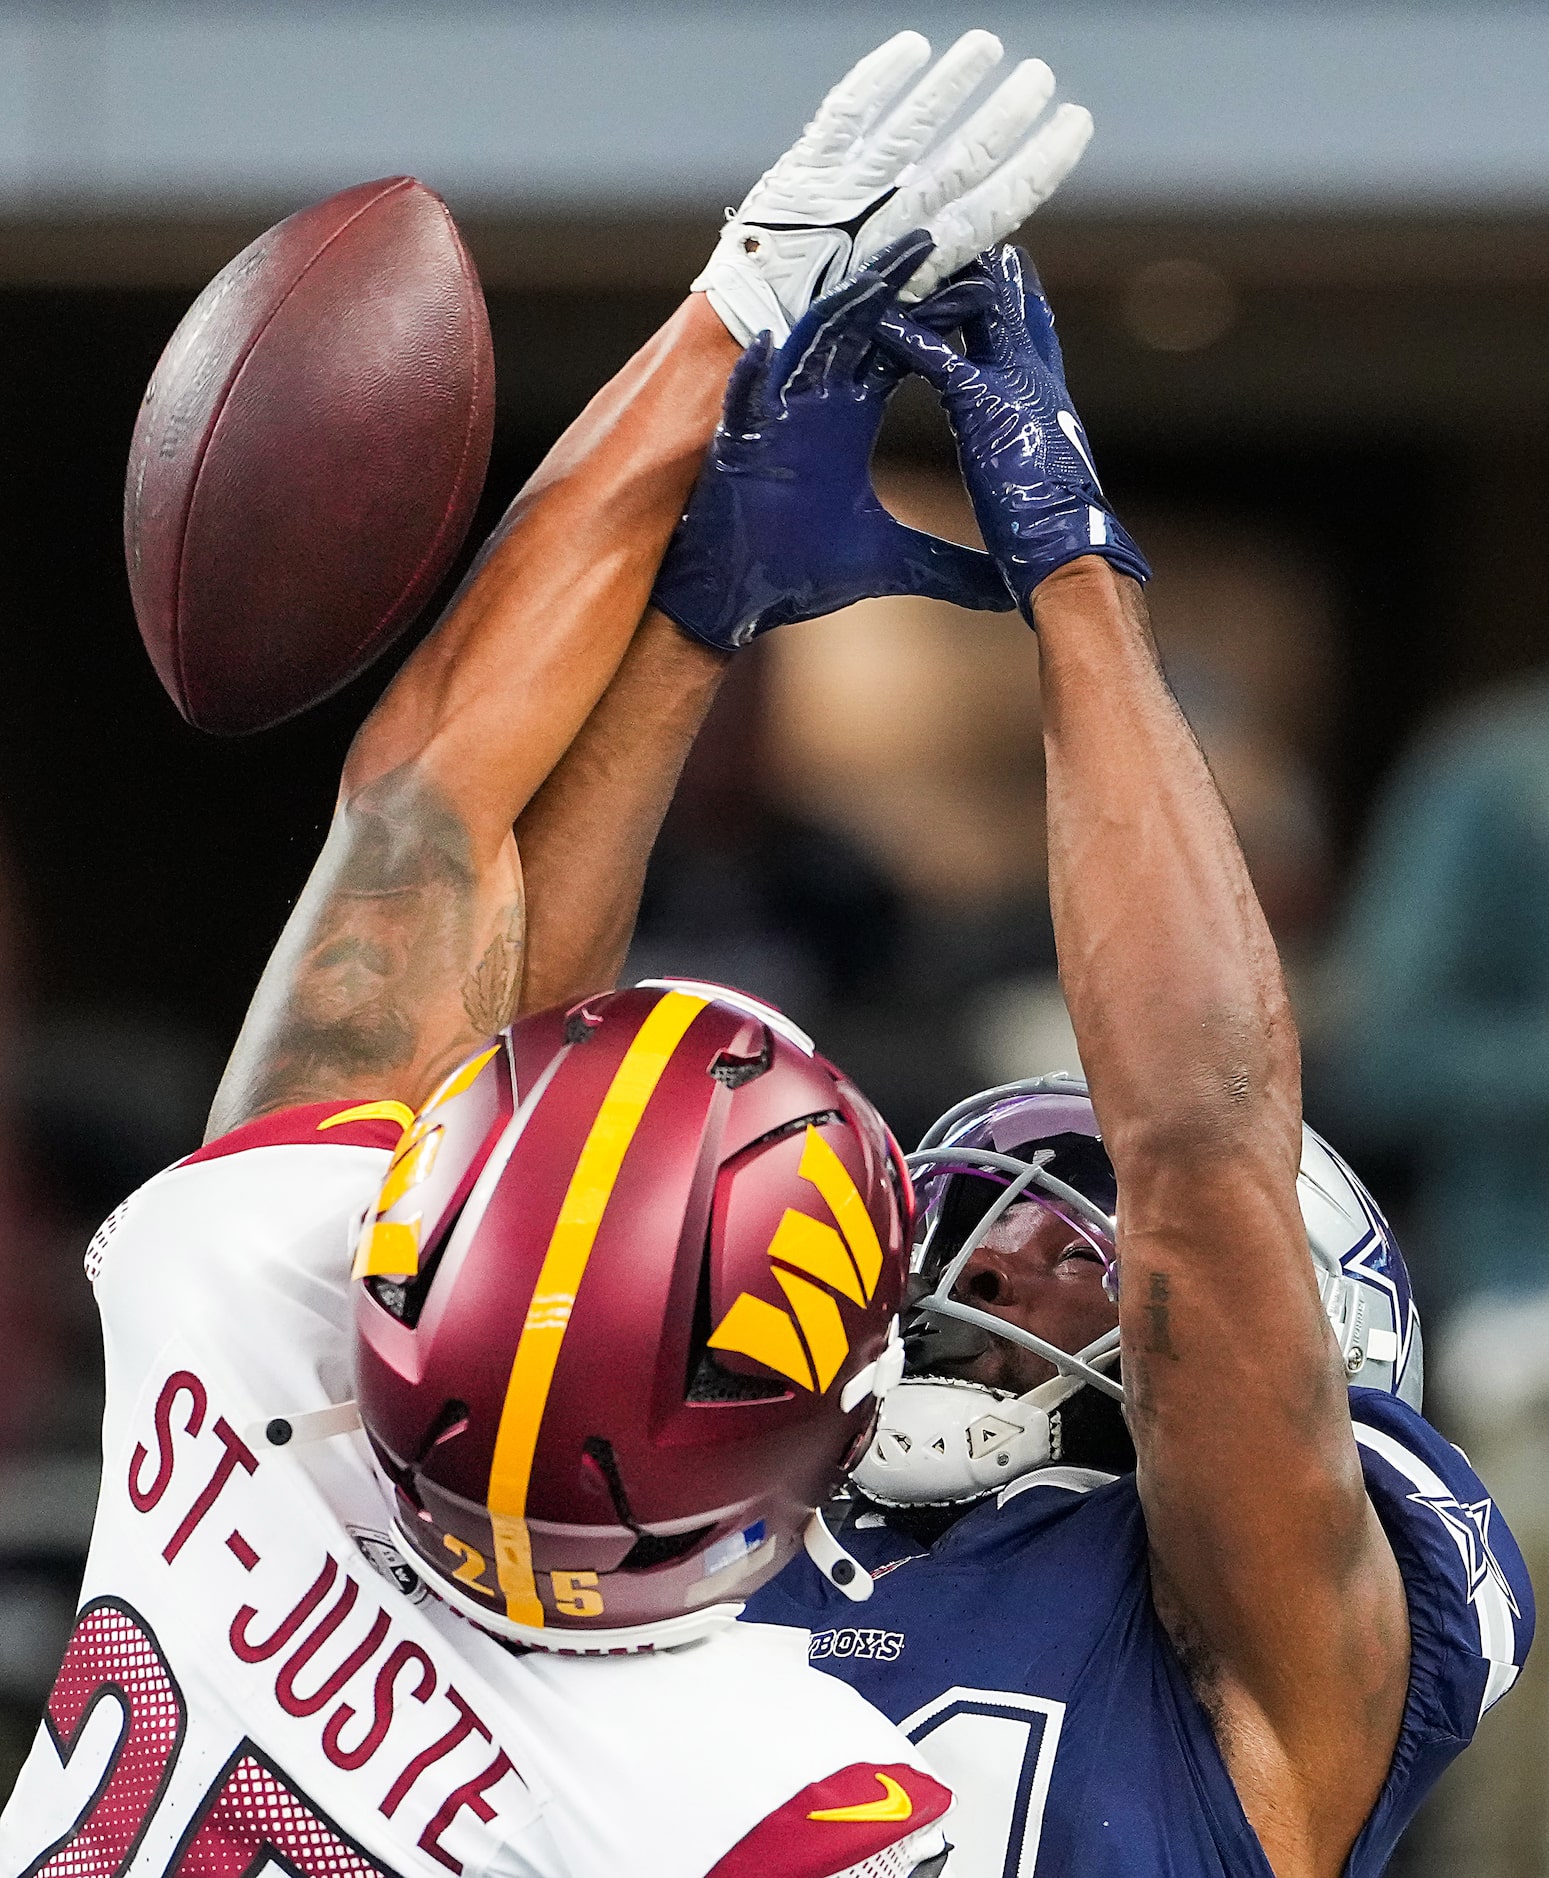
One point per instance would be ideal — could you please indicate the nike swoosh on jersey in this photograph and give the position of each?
(811, 1836)
(894, 1804)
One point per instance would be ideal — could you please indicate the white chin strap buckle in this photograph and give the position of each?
(846, 1574)
(878, 1377)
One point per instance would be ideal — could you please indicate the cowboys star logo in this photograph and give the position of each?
(1469, 1524)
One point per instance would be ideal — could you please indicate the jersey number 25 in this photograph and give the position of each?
(249, 1813)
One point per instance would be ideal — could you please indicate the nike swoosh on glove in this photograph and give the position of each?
(878, 160)
(1023, 450)
(783, 523)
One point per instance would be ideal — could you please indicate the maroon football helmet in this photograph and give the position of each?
(626, 1300)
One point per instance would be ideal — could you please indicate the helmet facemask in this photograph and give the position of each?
(944, 1441)
(935, 1330)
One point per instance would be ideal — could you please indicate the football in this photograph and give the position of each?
(308, 455)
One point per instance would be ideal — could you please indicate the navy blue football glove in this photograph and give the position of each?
(1023, 452)
(783, 523)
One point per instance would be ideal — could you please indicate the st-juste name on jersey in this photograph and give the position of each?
(256, 1676)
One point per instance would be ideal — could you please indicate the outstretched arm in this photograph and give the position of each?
(407, 946)
(1269, 1567)
(588, 833)
(782, 525)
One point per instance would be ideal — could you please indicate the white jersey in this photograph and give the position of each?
(282, 1690)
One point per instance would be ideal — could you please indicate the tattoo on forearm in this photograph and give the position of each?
(492, 989)
(375, 957)
(1159, 1340)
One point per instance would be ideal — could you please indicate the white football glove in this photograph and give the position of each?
(861, 174)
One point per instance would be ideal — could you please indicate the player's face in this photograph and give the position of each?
(1037, 1271)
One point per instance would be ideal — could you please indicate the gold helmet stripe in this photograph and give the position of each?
(564, 1266)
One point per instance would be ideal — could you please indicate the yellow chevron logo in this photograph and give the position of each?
(390, 1248)
(894, 1804)
(808, 1342)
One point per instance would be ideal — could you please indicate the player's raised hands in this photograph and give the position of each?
(1023, 450)
(784, 523)
(878, 160)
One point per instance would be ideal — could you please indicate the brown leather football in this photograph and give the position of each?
(309, 454)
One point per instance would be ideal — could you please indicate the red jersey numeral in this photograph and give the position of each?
(250, 1815)
(253, 1814)
(112, 1656)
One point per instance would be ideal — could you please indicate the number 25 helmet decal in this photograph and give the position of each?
(625, 1303)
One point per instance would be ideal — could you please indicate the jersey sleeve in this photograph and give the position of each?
(231, 1183)
(1470, 1601)
(880, 1821)
(243, 1250)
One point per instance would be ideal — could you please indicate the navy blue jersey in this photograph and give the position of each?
(1022, 1654)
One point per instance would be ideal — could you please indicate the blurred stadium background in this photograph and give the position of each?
(1303, 282)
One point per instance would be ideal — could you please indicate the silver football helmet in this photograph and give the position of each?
(942, 1441)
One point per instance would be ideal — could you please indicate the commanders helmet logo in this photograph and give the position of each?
(808, 1343)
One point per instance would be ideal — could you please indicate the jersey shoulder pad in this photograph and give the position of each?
(340, 1124)
(1470, 1600)
(860, 1813)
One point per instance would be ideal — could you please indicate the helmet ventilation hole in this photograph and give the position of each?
(650, 1548)
(734, 1071)
(713, 1382)
(653, 1548)
(451, 1420)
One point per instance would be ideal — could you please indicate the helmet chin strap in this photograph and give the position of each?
(281, 1431)
(845, 1573)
